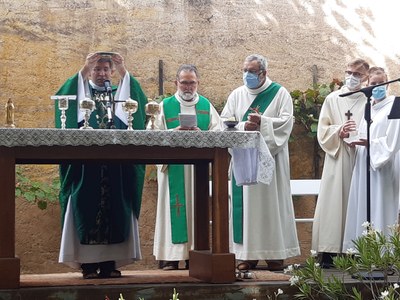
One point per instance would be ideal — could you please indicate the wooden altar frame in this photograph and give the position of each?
(210, 263)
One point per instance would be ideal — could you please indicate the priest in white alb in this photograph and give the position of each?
(338, 121)
(173, 238)
(262, 223)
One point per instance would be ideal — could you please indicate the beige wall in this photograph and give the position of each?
(44, 42)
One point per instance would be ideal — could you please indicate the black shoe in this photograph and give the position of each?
(89, 271)
(171, 265)
(108, 270)
(187, 264)
(326, 261)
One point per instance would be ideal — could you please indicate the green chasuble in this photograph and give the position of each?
(103, 196)
(176, 176)
(260, 103)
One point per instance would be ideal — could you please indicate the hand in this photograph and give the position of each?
(251, 126)
(346, 128)
(361, 142)
(118, 61)
(90, 63)
(255, 118)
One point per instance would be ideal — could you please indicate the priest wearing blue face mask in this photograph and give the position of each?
(384, 169)
(262, 224)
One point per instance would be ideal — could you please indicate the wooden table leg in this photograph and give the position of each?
(9, 264)
(218, 265)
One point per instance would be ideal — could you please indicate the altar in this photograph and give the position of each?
(210, 262)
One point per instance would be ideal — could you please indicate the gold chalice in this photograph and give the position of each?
(130, 106)
(152, 109)
(87, 106)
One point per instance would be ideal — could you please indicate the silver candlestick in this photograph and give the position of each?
(63, 103)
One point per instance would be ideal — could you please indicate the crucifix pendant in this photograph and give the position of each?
(348, 114)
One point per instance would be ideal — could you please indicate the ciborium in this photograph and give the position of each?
(86, 106)
(130, 106)
(152, 109)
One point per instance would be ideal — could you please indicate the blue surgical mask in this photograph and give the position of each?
(379, 93)
(251, 80)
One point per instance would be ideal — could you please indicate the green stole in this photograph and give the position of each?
(260, 103)
(176, 176)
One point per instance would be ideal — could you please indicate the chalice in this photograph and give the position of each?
(152, 109)
(86, 106)
(130, 106)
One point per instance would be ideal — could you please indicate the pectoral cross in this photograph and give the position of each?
(348, 114)
(177, 205)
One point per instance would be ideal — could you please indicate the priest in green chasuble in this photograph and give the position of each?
(173, 236)
(262, 222)
(101, 202)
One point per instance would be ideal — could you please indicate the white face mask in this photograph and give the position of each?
(352, 82)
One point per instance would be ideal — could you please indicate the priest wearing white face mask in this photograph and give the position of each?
(338, 118)
(384, 177)
(262, 223)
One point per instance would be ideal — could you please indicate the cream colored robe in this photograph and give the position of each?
(330, 212)
(163, 248)
(269, 229)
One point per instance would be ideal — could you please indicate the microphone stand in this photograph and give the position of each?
(110, 103)
(367, 91)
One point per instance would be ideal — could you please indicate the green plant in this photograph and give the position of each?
(307, 104)
(37, 192)
(306, 109)
(373, 252)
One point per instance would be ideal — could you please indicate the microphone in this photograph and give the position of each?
(107, 85)
(367, 91)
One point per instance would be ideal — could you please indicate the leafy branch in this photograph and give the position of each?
(37, 192)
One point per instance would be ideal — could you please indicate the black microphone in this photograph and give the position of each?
(366, 90)
(107, 85)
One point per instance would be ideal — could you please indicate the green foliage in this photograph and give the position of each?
(160, 98)
(37, 192)
(373, 252)
(307, 104)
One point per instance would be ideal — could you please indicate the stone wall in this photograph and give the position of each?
(44, 42)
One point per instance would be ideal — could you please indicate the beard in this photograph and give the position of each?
(187, 96)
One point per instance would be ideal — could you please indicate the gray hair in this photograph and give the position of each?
(187, 68)
(262, 61)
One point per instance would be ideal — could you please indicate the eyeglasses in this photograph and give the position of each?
(355, 74)
(253, 72)
(188, 83)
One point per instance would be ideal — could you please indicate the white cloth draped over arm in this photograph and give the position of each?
(123, 93)
(83, 90)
